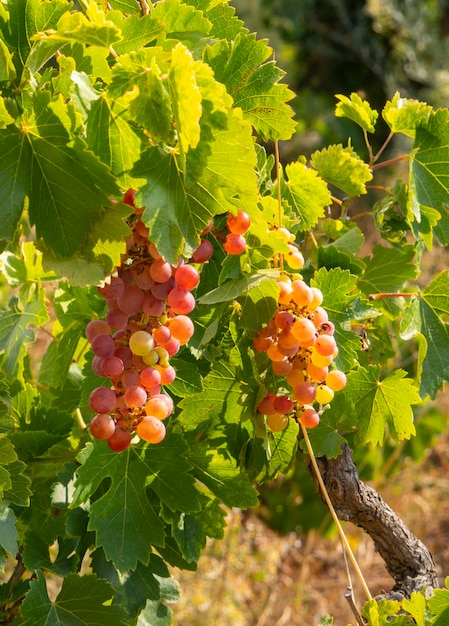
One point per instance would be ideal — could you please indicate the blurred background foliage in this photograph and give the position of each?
(375, 48)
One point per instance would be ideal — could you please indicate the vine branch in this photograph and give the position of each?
(406, 558)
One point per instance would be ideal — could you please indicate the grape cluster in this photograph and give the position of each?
(299, 341)
(148, 301)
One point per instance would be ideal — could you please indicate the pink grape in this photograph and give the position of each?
(130, 378)
(182, 328)
(151, 429)
(238, 224)
(150, 378)
(187, 277)
(102, 426)
(135, 396)
(161, 290)
(117, 319)
(181, 301)
(203, 252)
(160, 271)
(234, 244)
(131, 300)
(112, 366)
(97, 327)
(102, 400)
(153, 307)
(160, 406)
(119, 440)
(103, 346)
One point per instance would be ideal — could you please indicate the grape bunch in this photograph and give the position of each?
(148, 301)
(299, 342)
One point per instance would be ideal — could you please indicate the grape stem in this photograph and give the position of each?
(393, 161)
(330, 506)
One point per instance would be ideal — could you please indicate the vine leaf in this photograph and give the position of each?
(177, 211)
(343, 168)
(425, 318)
(185, 96)
(9, 537)
(15, 331)
(253, 82)
(306, 193)
(33, 162)
(125, 521)
(83, 600)
(181, 21)
(403, 115)
(357, 110)
(428, 180)
(388, 269)
(340, 295)
(439, 605)
(377, 403)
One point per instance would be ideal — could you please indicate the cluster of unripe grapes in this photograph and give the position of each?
(148, 301)
(299, 341)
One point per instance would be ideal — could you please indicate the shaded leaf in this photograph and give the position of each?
(81, 601)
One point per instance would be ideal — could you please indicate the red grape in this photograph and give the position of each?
(102, 426)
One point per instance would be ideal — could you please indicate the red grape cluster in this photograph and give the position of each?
(299, 341)
(148, 302)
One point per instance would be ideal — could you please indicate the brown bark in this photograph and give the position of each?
(406, 558)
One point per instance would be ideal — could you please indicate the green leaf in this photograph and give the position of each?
(188, 378)
(233, 289)
(388, 269)
(265, 458)
(253, 82)
(76, 27)
(181, 21)
(112, 138)
(5, 117)
(19, 494)
(259, 304)
(403, 115)
(222, 476)
(306, 193)
(8, 534)
(416, 606)
(425, 318)
(137, 31)
(343, 168)
(185, 97)
(340, 297)
(7, 69)
(378, 403)
(177, 212)
(357, 110)
(439, 605)
(125, 522)
(15, 331)
(83, 600)
(35, 161)
(155, 614)
(428, 180)
(147, 582)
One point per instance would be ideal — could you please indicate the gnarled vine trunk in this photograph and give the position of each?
(407, 559)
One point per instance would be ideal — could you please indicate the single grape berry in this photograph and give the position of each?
(234, 244)
(238, 224)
